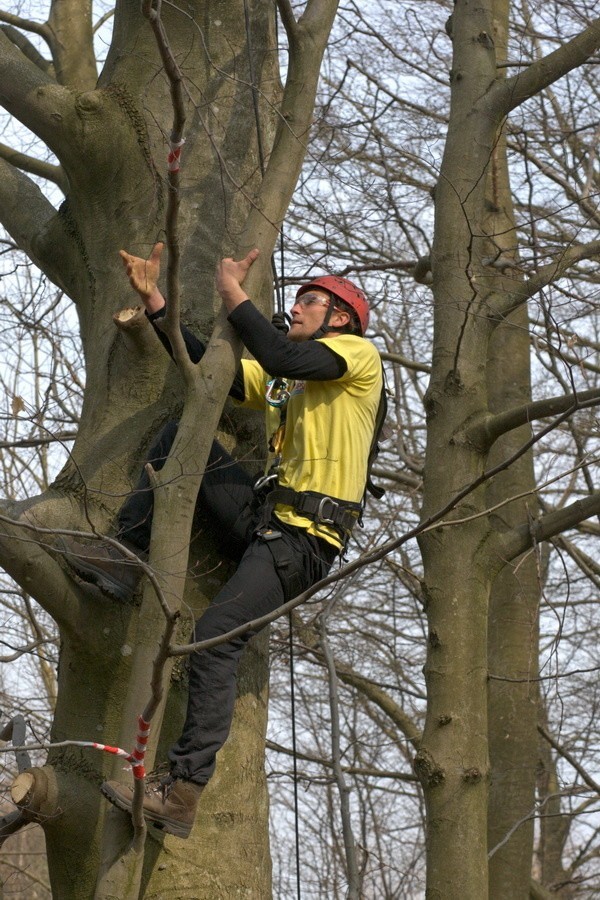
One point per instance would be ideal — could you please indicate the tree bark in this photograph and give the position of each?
(514, 600)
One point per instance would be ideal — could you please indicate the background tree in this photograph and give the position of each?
(386, 130)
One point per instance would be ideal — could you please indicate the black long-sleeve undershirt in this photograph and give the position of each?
(280, 357)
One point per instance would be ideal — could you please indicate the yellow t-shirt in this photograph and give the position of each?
(328, 430)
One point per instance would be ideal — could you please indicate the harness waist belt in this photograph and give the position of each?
(320, 508)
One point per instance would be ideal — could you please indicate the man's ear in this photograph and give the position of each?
(343, 318)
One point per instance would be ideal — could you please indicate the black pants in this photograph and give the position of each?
(268, 574)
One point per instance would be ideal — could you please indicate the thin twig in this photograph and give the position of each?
(570, 759)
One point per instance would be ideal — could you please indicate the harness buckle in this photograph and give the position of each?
(321, 517)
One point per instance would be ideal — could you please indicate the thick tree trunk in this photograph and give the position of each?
(114, 155)
(459, 566)
(513, 638)
(514, 601)
(112, 145)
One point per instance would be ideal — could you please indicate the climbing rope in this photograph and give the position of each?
(294, 757)
(278, 281)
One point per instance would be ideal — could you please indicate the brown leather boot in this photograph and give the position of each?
(170, 804)
(103, 565)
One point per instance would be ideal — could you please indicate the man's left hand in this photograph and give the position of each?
(230, 277)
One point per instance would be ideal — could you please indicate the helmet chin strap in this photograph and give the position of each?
(325, 327)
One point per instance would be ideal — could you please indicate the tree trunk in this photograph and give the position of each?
(234, 191)
(514, 601)
(459, 566)
(113, 151)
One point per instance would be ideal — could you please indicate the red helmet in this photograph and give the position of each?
(344, 290)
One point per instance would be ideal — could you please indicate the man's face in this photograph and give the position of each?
(308, 314)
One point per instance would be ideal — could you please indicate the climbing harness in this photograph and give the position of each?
(319, 508)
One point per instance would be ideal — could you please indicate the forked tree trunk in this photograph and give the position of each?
(111, 144)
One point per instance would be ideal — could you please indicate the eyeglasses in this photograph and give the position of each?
(309, 299)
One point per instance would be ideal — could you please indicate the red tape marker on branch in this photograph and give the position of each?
(136, 758)
(174, 155)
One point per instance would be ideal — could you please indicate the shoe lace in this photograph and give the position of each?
(160, 781)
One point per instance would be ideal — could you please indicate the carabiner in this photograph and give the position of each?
(278, 392)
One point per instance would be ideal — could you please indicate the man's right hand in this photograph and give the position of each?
(143, 277)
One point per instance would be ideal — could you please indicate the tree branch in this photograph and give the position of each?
(348, 770)
(26, 557)
(59, 437)
(33, 97)
(410, 481)
(544, 72)
(27, 48)
(589, 566)
(485, 433)
(40, 28)
(545, 275)
(382, 699)
(591, 783)
(288, 19)
(36, 167)
(35, 226)
(526, 536)
(405, 362)
(11, 823)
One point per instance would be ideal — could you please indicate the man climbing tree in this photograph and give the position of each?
(246, 137)
(321, 387)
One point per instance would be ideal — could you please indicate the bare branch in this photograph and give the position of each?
(170, 323)
(287, 17)
(35, 166)
(406, 363)
(34, 225)
(32, 96)
(544, 72)
(545, 275)
(519, 540)
(11, 823)
(485, 433)
(570, 759)
(27, 48)
(40, 28)
(349, 770)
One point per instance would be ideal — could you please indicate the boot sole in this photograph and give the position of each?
(162, 823)
(92, 575)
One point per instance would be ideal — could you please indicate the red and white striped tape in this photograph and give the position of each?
(174, 155)
(136, 758)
